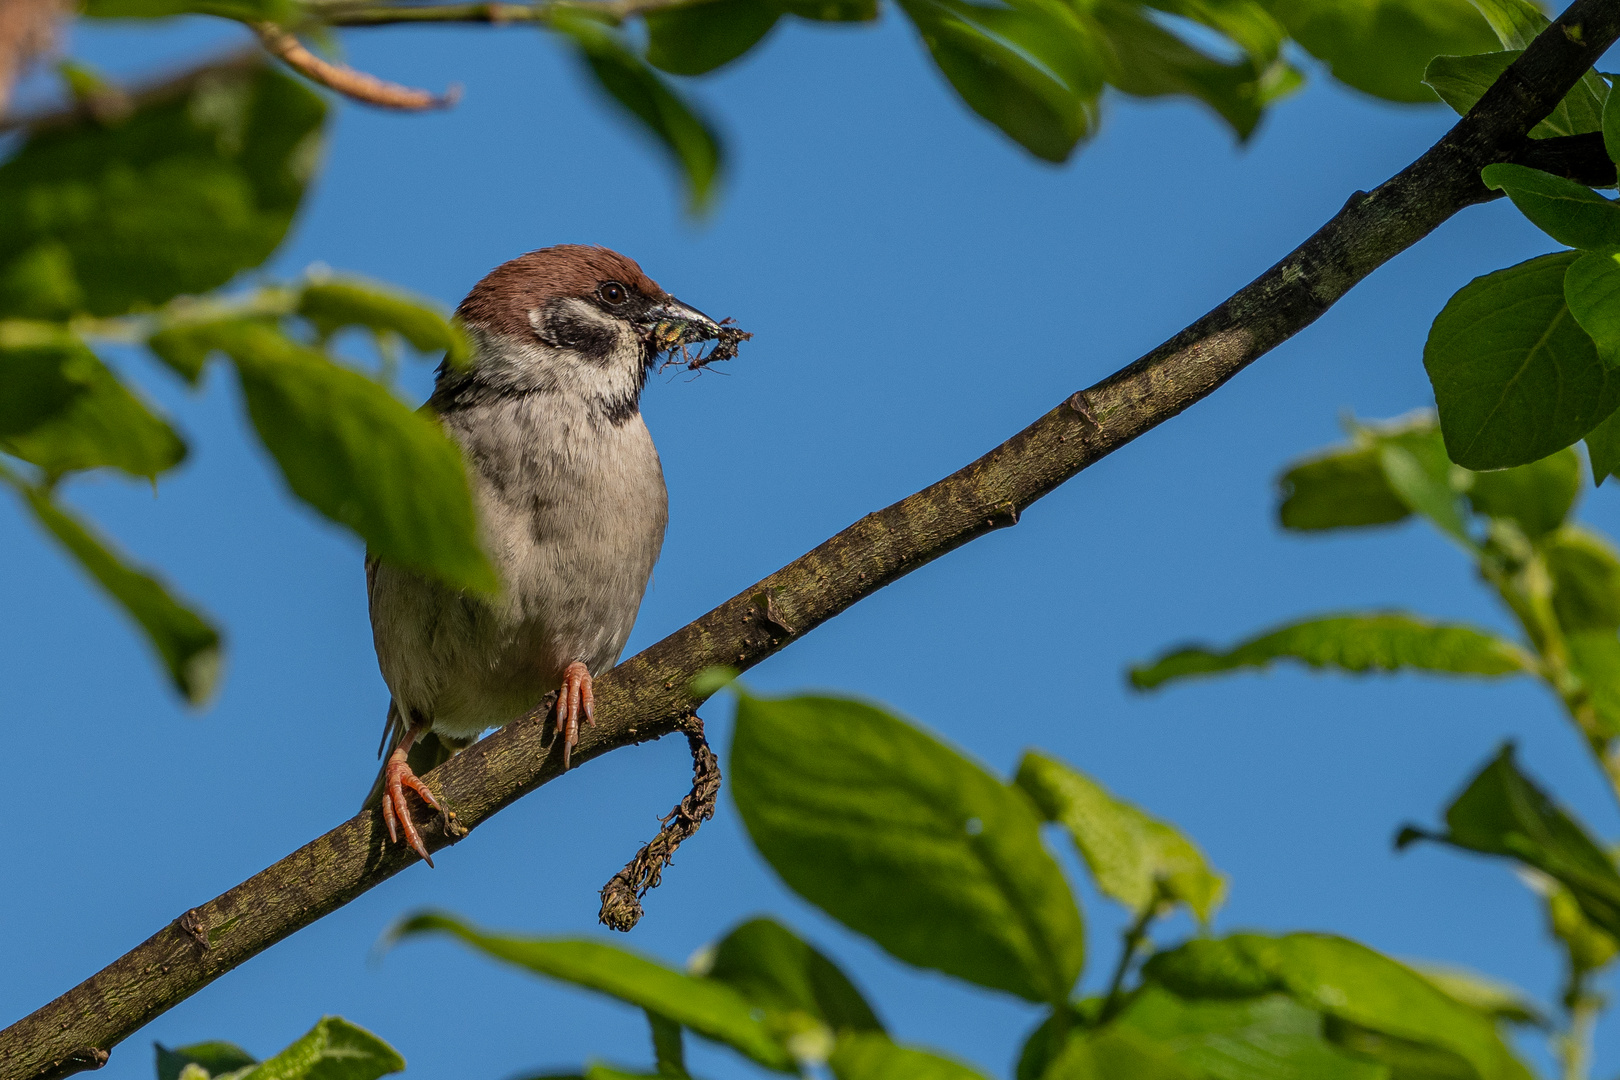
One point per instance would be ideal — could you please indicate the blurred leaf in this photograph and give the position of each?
(354, 452)
(212, 1057)
(692, 145)
(334, 304)
(698, 38)
(82, 416)
(1514, 376)
(1117, 1052)
(1594, 658)
(39, 284)
(1462, 80)
(1420, 474)
(1586, 580)
(1592, 292)
(1515, 22)
(707, 1007)
(1352, 643)
(1588, 947)
(832, 10)
(1381, 47)
(1248, 24)
(906, 841)
(187, 645)
(1043, 1045)
(334, 1049)
(1496, 999)
(1603, 444)
(279, 11)
(1342, 488)
(1537, 497)
(669, 1046)
(871, 1056)
(1136, 859)
(1034, 69)
(1502, 813)
(177, 197)
(806, 998)
(1345, 980)
(1153, 62)
(1271, 1037)
(1571, 213)
(1395, 1056)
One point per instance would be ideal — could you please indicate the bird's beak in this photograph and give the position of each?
(672, 324)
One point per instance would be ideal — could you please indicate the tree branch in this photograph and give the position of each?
(346, 80)
(646, 697)
(372, 13)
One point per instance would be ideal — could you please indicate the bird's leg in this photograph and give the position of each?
(397, 776)
(575, 700)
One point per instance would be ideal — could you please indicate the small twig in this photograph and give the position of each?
(621, 897)
(1135, 934)
(346, 80)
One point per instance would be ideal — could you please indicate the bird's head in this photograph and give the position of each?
(572, 320)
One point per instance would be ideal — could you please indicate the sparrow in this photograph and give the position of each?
(571, 506)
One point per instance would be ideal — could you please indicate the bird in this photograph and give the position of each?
(571, 507)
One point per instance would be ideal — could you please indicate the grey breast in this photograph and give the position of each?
(572, 510)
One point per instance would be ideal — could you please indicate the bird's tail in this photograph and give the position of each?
(428, 752)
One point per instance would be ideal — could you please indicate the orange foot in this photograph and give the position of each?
(575, 699)
(397, 776)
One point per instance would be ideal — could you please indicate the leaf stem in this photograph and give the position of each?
(1134, 936)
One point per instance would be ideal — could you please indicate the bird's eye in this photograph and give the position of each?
(613, 293)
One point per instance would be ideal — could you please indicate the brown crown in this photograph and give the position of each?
(501, 302)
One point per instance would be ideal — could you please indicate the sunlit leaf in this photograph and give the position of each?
(334, 1049)
(178, 197)
(183, 640)
(1502, 812)
(1033, 69)
(241, 10)
(1136, 859)
(905, 840)
(213, 1058)
(1462, 80)
(1588, 947)
(832, 10)
(1594, 659)
(871, 1056)
(1586, 580)
(692, 145)
(1571, 213)
(1351, 643)
(1536, 497)
(1496, 999)
(698, 38)
(333, 304)
(1514, 376)
(1248, 24)
(1381, 47)
(62, 409)
(1592, 291)
(704, 1006)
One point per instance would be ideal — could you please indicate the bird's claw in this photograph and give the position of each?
(396, 813)
(575, 700)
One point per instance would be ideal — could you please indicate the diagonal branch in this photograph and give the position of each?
(346, 80)
(647, 697)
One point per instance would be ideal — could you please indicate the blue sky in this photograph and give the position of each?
(919, 290)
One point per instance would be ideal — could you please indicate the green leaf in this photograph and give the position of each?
(334, 1049)
(1350, 643)
(698, 38)
(178, 197)
(353, 451)
(905, 840)
(241, 10)
(707, 1007)
(1515, 22)
(1248, 24)
(1537, 497)
(1044, 1044)
(1514, 375)
(1341, 489)
(1033, 69)
(187, 645)
(1592, 292)
(212, 1057)
(1571, 213)
(871, 1056)
(1496, 999)
(1358, 987)
(1153, 62)
(1136, 859)
(690, 142)
(1421, 476)
(669, 1046)
(1118, 1052)
(1381, 47)
(1611, 124)
(1594, 658)
(1503, 813)
(62, 409)
(832, 10)
(1462, 80)
(334, 304)
(807, 1000)
(1588, 947)
(1603, 446)
(39, 283)
(1586, 580)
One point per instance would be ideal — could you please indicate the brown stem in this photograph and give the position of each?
(346, 80)
(371, 13)
(647, 696)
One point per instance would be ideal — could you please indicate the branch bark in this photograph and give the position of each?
(647, 697)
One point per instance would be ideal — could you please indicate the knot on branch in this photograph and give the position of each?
(621, 897)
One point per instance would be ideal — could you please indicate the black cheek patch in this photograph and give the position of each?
(566, 329)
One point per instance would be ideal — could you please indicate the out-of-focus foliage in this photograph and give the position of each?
(333, 1049)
